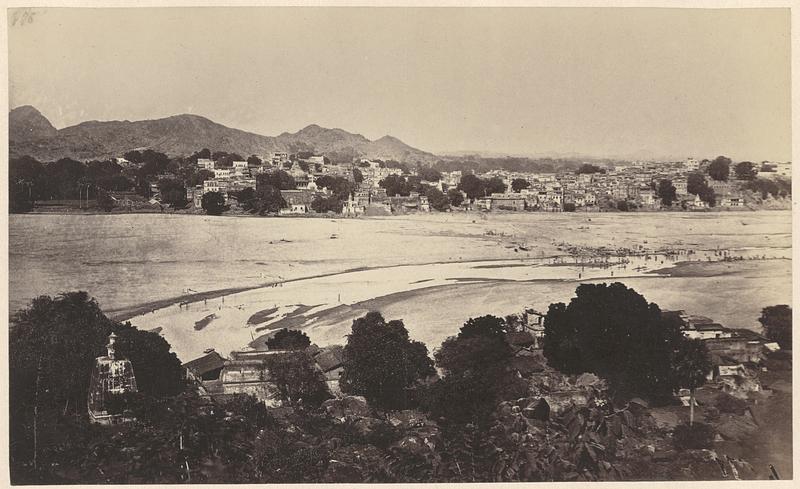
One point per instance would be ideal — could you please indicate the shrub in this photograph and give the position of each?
(696, 436)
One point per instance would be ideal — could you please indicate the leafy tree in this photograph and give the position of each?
(455, 196)
(358, 177)
(429, 174)
(213, 203)
(204, 153)
(519, 183)
(695, 183)
(254, 160)
(777, 323)
(268, 199)
(382, 362)
(288, 339)
(52, 348)
(104, 201)
(614, 332)
(472, 354)
(720, 168)
(666, 192)
(569, 207)
(624, 206)
(471, 185)
(395, 185)
(64, 176)
(247, 198)
(30, 177)
(154, 163)
(340, 187)
(476, 366)
(322, 204)
(107, 175)
(707, 195)
(437, 199)
(495, 185)
(278, 179)
(176, 440)
(20, 197)
(116, 183)
(692, 363)
(588, 168)
(172, 192)
(197, 177)
(745, 170)
(297, 379)
(487, 326)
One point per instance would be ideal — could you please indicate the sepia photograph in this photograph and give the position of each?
(329, 244)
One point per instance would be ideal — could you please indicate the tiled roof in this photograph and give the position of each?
(206, 363)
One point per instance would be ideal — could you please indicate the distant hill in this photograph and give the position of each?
(30, 133)
(27, 124)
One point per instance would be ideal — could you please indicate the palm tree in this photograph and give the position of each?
(691, 364)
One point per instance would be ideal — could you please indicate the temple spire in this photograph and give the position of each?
(112, 338)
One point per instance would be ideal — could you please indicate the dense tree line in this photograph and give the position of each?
(65, 179)
(476, 164)
(465, 425)
(777, 188)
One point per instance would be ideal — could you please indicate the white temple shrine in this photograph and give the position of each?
(110, 376)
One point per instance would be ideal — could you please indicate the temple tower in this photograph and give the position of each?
(110, 376)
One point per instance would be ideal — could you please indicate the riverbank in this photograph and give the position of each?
(127, 313)
(133, 264)
(435, 299)
(779, 206)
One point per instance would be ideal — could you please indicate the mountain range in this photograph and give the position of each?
(30, 133)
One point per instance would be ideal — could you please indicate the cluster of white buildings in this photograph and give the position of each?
(241, 175)
(636, 183)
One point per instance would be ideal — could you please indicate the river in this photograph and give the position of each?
(433, 271)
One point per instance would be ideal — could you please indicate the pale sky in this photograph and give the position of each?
(666, 82)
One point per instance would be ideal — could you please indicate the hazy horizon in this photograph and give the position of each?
(600, 82)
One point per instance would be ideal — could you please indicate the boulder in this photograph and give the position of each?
(346, 406)
(588, 380)
(561, 401)
(408, 418)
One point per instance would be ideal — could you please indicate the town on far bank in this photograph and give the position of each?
(306, 183)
